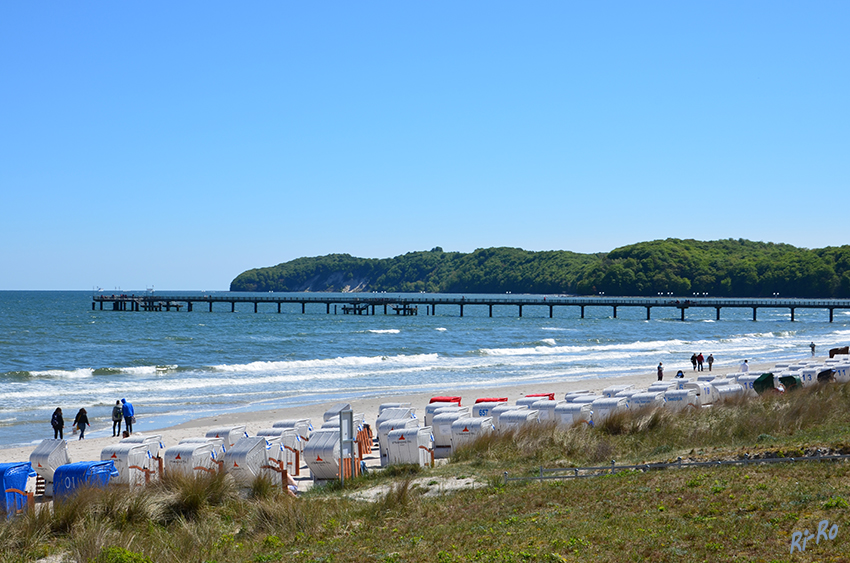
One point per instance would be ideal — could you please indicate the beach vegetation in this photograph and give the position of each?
(722, 268)
(742, 513)
(120, 555)
(187, 496)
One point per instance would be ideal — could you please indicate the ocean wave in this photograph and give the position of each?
(269, 384)
(440, 329)
(135, 370)
(107, 371)
(343, 362)
(16, 376)
(64, 373)
(83, 373)
(383, 331)
(549, 350)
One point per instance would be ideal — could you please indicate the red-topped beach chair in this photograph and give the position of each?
(492, 400)
(445, 400)
(550, 396)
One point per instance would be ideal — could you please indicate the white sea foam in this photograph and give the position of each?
(441, 329)
(330, 363)
(384, 331)
(140, 370)
(549, 350)
(62, 373)
(550, 341)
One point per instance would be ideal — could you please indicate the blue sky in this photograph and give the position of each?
(177, 144)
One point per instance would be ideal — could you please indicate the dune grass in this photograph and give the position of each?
(718, 514)
(784, 424)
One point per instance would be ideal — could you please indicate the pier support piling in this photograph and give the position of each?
(364, 306)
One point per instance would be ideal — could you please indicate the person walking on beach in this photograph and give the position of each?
(117, 416)
(660, 371)
(58, 424)
(81, 421)
(700, 360)
(745, 367)
(129, 413)
(812, 346)
(694, 361)
(710, 361)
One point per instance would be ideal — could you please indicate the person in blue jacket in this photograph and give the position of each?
(81, 421)
(128, 411)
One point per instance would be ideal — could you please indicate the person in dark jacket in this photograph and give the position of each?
(81, 421)
(58, 424)
(129, 413)
(117, 417)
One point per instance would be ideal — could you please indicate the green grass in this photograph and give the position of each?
(718, 514)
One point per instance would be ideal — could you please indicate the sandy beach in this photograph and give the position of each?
(90, 448)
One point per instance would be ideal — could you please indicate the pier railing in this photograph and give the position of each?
(367, 303)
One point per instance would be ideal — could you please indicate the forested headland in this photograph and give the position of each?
(724, 268)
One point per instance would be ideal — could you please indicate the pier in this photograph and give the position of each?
(408, 304)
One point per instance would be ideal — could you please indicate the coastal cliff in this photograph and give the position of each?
(724, 268)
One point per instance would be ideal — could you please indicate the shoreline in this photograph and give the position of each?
(255, 420)
(158, 421)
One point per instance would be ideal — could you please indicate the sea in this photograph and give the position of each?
(55, 351)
